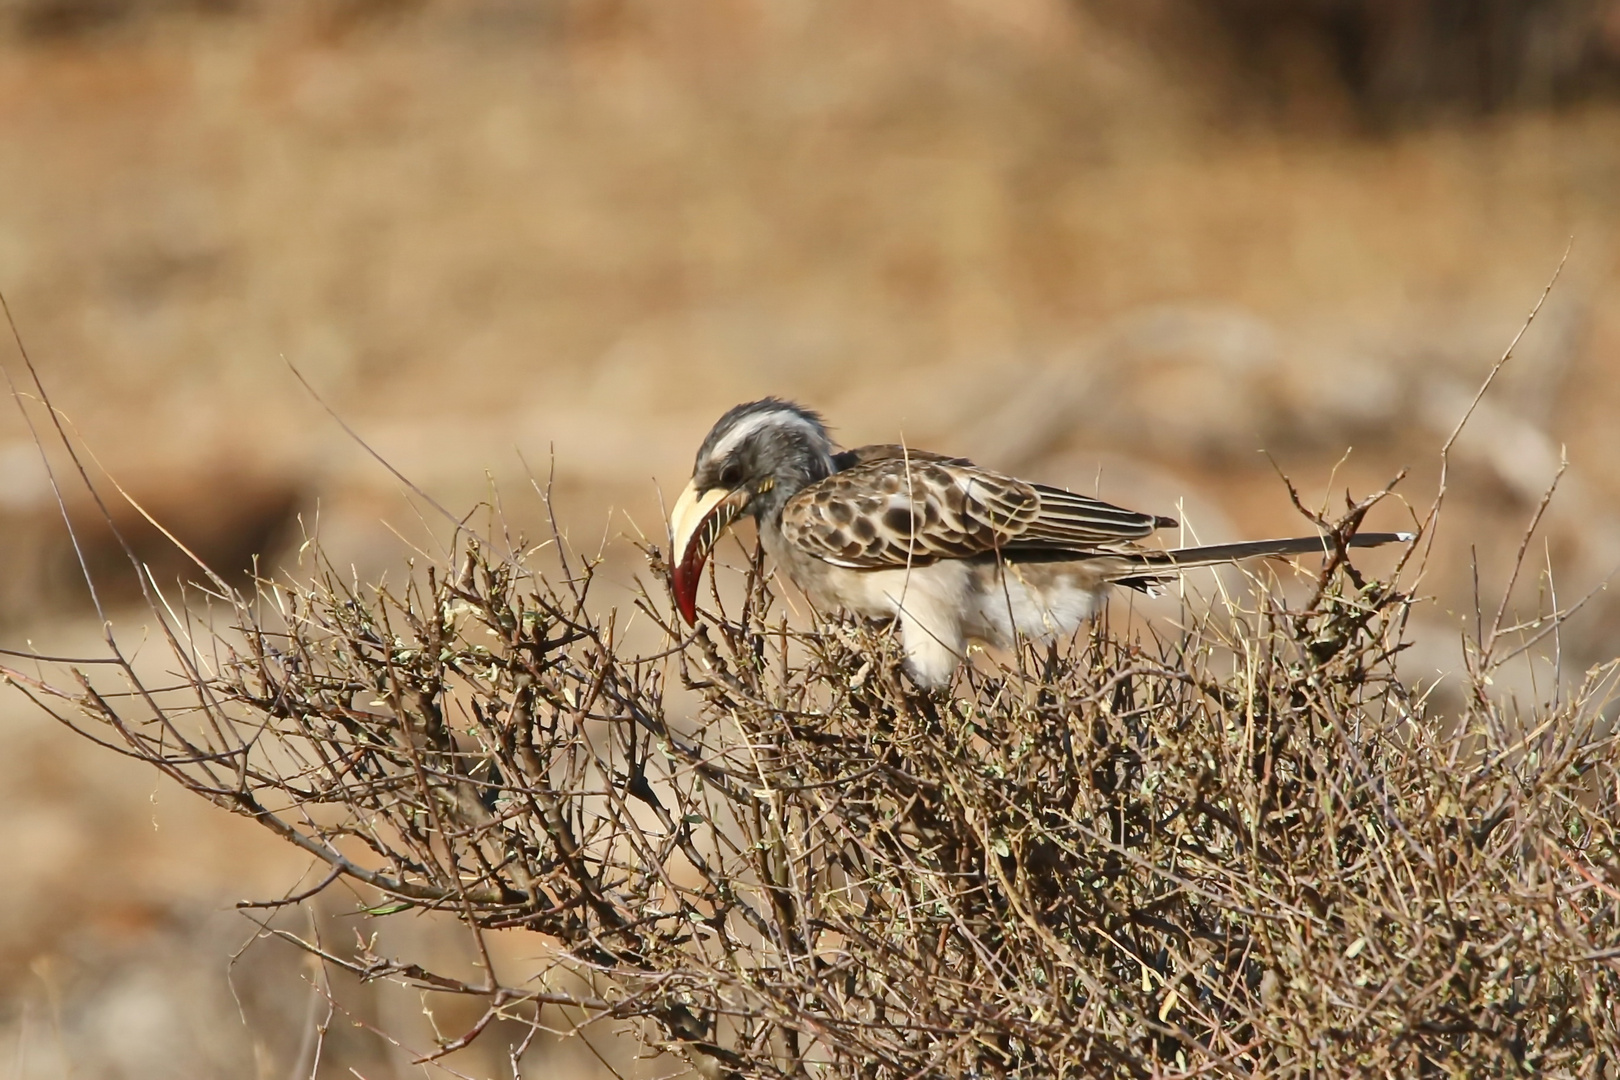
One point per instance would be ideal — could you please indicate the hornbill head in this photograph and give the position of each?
(759, 455)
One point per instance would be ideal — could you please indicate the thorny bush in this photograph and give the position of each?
(1240, 846)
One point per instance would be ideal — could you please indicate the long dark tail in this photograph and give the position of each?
(1150, 567)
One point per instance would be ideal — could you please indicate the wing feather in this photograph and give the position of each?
(861, 455)
(890, 507)
(1067, 518)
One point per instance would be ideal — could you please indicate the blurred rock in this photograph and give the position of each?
(228, 519)
(1396, 61)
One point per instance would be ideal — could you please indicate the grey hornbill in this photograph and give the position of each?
(956, 553)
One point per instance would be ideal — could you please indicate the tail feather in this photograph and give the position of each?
(1147, 567)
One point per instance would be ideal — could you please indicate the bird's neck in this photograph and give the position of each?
(791, 477)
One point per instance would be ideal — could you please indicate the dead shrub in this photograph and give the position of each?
(1242, 845)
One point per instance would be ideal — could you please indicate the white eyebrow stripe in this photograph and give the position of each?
(743, 429)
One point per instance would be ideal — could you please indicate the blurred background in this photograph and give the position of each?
(1121, 245)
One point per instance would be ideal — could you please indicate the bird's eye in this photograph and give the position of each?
(731, 476)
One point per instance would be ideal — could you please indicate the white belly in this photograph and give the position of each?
(944, 605)
(1039, 603)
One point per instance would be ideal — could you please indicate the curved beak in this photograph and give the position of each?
(694, 525)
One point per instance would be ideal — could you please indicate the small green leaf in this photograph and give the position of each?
(392, 908)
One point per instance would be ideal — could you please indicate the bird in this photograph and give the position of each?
(953, 552)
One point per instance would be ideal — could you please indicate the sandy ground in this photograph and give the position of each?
(508, 241)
